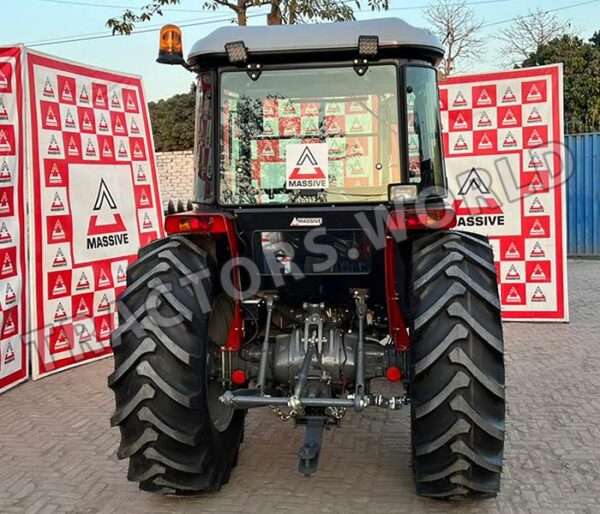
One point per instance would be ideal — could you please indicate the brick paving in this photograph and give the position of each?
(57, 451)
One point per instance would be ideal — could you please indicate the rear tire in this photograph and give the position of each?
(457, 367)
(164, 396)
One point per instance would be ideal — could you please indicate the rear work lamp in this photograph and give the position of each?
(368, 46)
(237, 53)
(402, 193)
(171, 46)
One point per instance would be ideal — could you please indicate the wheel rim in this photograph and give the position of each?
(218, 326)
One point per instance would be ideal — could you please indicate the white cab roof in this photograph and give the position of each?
(392, 32)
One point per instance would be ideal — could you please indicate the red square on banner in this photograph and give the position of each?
(309, 109)
(50, 115)
(485, 141)
(8, 262)
(117, 120)
(130, 100)
(55, 173)
(535, 182)
(66, 89)
(538, 271)
(5, 77)
(7, 140)
(59, 284)
(270, 108)
(104, 326)
(106, 148)
(290, 126)
(6, 201)
(513, 294)
(267, 150)
(512, 248)
(355, 108)
(484, 96)
(61, 338)
(461, 119)
(102, 275)
(536, 226)
(357, 146)
(533, 91)
(10, 322)
(137, 148)
(87, 120)
(59, 229)
(334, 125)
(72, 142)
(535, 136)
(99, 96)
(143, 197)
(509, 116)
(83, 306)
(443, 99)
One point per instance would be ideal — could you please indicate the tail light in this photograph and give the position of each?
(411, 218)
(187, 223)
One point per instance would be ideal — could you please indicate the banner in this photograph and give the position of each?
(13, 323)
(94, 201)
(503, 141)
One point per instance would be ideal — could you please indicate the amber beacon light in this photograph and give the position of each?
(171, 46)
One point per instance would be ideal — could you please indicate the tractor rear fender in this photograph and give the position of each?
(204, 226)
(400, 223)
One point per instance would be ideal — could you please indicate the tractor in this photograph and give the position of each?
(316, 266)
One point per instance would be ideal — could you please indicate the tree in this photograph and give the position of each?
(458, 28)
(526, 33)
(581, 74)
(281, 11)
(173, 122)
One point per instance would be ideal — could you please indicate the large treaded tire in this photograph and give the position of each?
(457, 367)
(160, 378)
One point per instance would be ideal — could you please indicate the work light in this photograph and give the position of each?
(237, 52)
(368, 46)
(402, 193)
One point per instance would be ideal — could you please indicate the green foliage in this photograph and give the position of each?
(282, 11)
(173, 122)
(581, 62)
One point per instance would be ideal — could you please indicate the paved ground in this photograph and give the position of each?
(57, 452)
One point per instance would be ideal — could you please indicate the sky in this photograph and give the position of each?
(37, 23)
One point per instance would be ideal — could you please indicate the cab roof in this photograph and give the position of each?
(271, 39)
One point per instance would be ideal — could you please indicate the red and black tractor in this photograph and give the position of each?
(317, 257)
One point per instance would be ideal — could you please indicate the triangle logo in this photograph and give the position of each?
(309, 168)
(104, 197)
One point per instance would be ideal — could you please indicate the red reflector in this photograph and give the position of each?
(393, 374)
(238, 377)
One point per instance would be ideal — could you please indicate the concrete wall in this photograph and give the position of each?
(175, 176)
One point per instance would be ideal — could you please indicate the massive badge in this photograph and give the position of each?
(307, 166)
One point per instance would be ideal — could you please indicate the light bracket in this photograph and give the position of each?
(368, 48)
